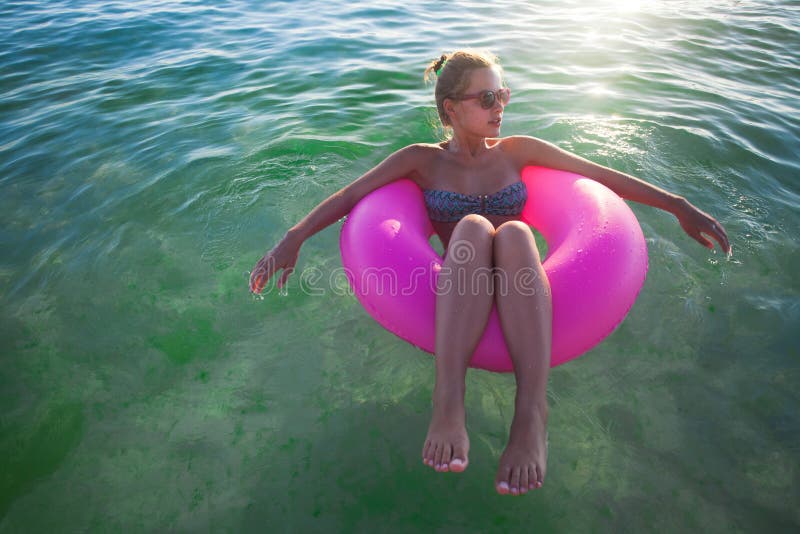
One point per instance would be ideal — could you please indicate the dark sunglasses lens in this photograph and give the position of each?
(487, 99)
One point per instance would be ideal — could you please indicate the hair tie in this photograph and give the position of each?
(441, 63)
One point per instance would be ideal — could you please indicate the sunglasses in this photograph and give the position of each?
(487, 98)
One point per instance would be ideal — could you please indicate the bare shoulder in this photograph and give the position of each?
(520, 143)
(523, 149)
(425, 150)
(416, 155)
(420, 158)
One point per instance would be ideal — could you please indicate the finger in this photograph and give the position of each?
(264, 269)
(703, 241)
(723, 243)
(719, 234)
(258, 278)
(697, 236)
(722, 237)
(718, 237)
(284, 276)
(255, 275)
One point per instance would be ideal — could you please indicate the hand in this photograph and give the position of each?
(696, 223)
(282, 256)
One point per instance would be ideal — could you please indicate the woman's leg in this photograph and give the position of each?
(463, 303)
(522, 293)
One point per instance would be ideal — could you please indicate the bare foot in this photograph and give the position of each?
(447, 444)
(524, 462)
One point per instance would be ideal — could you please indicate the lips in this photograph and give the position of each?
(496, 122)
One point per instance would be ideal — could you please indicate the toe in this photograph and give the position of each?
(501, 483)
(515, 473)
(437, 457)
(426, 452)
(447, 455)
(457, 465)
(523, 480)
(459, 460)
(431, 456)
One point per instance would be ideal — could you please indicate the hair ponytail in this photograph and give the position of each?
(435, 67)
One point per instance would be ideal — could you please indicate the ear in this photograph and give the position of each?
(449, 108)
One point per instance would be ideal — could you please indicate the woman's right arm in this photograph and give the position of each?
(284, 255)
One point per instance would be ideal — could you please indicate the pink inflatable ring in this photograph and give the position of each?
(596, 263)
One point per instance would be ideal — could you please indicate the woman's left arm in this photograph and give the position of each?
(693, 221)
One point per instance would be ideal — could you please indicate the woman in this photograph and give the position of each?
(472, 189)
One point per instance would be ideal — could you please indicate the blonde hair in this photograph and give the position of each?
(452, 73)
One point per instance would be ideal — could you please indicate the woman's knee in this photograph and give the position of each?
(474, 228)
(514, 240)
(471, 242)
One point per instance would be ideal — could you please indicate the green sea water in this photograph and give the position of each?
(150, 152)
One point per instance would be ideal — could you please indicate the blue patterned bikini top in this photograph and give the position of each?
(448, 206)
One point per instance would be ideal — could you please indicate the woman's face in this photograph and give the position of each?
(468, 116)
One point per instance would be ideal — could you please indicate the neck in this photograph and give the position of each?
(467, 146)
